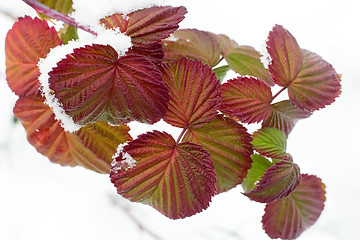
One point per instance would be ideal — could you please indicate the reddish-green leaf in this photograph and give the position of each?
(193, 44)
(27, 42)
(93, 84)
(226, 44)
(194, 93)
(284, 116)
(312, 82)
(278, 181)
(270, 142)
(92, 146)
(63, 6)
(148, 25)
(229, 146)
(176, 179)
(246, 98)
(286, 56)
(258, 168)
(316, 85)
(288, 217)
(245, 60)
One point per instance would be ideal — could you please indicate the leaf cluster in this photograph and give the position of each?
(178, 76)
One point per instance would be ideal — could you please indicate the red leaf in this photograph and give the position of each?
(93, 84)
(278, 181)
(176, 179)
(286, 56)
(312, 82)
(316, 85)
(193, 44)
(288, 217)
(229, 146)
(27, 42)
(194, 93)
(246, 98)
(91, 147)
(148, 25)
(284, 116)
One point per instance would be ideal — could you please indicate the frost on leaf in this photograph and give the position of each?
(27, 42)
(245, 60)
(193, 44)
(194, 93)
(229, 146)
(284, 116)
(147, 27)
(93, 83)
(270, 142)
(246, 98)
(312, 82)
(91, 147)
(278, 181)
(288, 217)
(178, 180)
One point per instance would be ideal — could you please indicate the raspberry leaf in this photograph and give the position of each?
(270, 142)
(278, 181)
(258, 168)
(27, 42)
(193, 44)
(93, 84)
(229, 146)
(284, 116)
(176, 179)
(194, 93)
(91, 147)
(62, 6)
(245, 60)
(246, 98)
(288, 217)
(312, 82)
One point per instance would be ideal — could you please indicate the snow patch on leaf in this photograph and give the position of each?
(265, 56)
(122, 159)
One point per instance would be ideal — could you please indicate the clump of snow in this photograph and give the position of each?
(88, 12)
(265, 57)
(172, 38)
(126, 162)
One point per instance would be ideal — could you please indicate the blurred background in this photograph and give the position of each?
(40, 200)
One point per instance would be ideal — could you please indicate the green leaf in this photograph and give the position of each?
(270, 142)
(176, 179)
(245, 60)
(91, 147)
(226, 44)
(68, 33)
(312, 82)
(259, 166)
(94, 83)
(27, 42)
(246, 98)
(284, 116)
(288, 217)
(63, 6)
(229, 146)
(193, 44)
(279, 181)
(194, 93)
(221, 72)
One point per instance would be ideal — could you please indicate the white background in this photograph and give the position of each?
(40, 200)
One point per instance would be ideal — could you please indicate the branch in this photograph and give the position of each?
(12, 17)
(56, 15)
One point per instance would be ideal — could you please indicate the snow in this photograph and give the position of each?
(265, 56)
(89, 16)
(126, 162)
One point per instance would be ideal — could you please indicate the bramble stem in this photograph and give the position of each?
(278, 93)
(56, 15)
(181, 135)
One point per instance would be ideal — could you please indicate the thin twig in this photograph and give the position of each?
(278, 93)
(56, 15)
(127, 210)
(181, 135)
(8, 14)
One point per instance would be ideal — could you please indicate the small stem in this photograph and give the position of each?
(181, 135)
(278, 93)
(56, 15)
